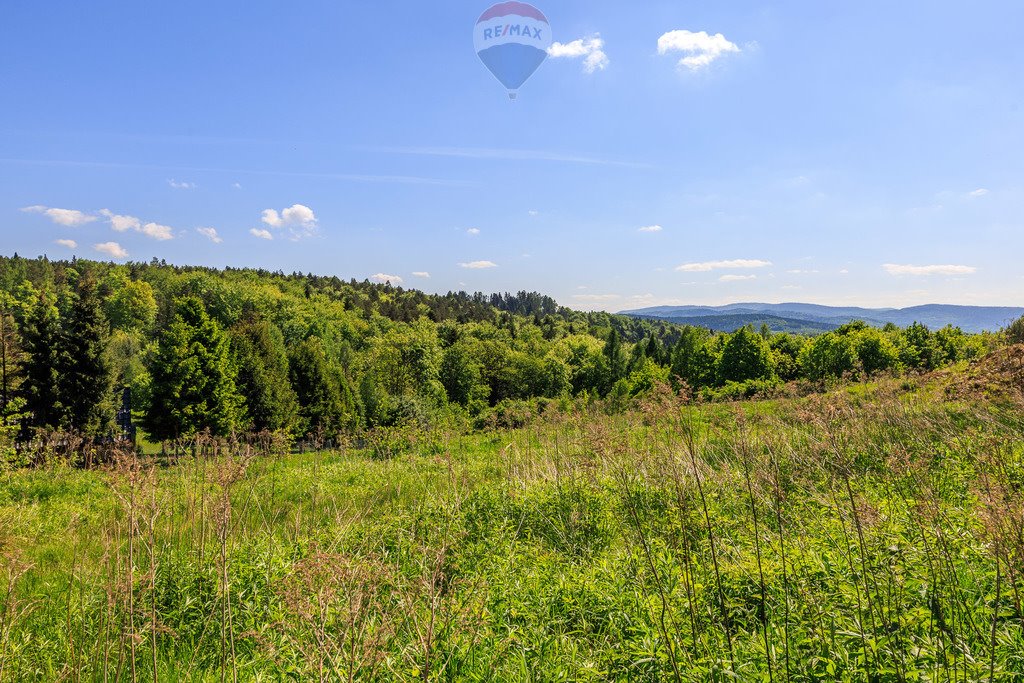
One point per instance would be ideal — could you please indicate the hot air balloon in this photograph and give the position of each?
(512, 40)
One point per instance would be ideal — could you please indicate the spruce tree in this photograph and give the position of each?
(193, 380)
(10, 359)
(326, 404)
(41, 346)
(84, 375)
(262, 361)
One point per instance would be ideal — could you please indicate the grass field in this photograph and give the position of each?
(875, 533)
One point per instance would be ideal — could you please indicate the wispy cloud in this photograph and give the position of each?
(385, 279)
(352, 177)
(261, 234)
(478, 265)
(896, 269)
(111, 249)
(210, 234)
(980, 192)
(69, 244)
(650, 229)
(181, 185)
(708, 266)
(596, 298)
(590, 49)
(71, 218)
(700, 48)
(473, 232)
(421, 274)
(508, 155)
(736, 278)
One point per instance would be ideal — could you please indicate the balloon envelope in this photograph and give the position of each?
(512, 40)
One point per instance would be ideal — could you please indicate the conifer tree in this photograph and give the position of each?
(84, 375)
(10, 357)
(263, 381)
(193, 380)
(41, 346)
(325, 401)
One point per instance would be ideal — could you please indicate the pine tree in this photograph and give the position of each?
(10, 359)
(193, 381)
(262, 361)
(326, 404)
(41, 346)
(84, 375)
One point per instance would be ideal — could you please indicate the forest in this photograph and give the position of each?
(238, 351)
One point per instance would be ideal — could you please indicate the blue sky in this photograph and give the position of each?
(866, 153)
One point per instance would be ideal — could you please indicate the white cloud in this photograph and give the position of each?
(736, 278)
(896, 269)
(533, 213)
(120, 223)
(708, 266)
(479, 265)
(70, 218)
(70, 244)
(298, 219)
(473, 232)
(112, 249)
(181, 185)
(262, 234)
(980, 192)
(650, 228)
(384, 278)
(237, 186)
(157, 231)
(596, 298)
(422, 274)
(210, 234)
(700, 48)
(591, 49)
(803, 272)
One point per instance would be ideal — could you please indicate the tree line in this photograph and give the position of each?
(240, 350)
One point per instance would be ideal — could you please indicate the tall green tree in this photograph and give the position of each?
(193, 380)
(10, 355)
(41, 346)
(615, 358)
(693, 361)
(461, 376)
(84, 373)
(326, 405)
(263, 381)
(746, 356)
(830, 355)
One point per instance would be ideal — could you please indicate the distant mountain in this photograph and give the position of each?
(815, 318)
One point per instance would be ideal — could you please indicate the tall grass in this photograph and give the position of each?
(873, 534)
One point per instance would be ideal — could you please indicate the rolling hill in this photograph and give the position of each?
(816, 318)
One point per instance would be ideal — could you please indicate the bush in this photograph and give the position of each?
(1015, 331)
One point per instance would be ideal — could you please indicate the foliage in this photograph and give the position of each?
(193, 385)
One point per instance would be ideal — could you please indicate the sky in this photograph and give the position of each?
(667, 152)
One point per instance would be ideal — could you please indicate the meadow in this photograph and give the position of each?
(871, 533)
